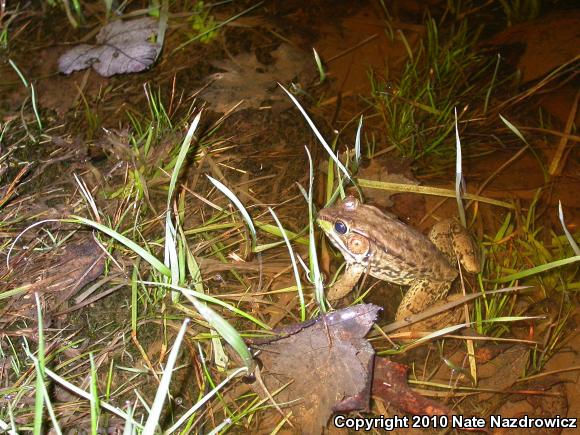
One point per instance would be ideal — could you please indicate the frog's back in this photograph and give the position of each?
(401, 254)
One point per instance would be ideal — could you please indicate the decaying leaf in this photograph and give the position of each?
(543, 398)
(57, 274)
(377, 170)
(390, 385)
(325, 365)
(245, 78)
(122, 47)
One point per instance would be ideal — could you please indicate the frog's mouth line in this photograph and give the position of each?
(325, 225)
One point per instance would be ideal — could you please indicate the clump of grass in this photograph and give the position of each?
(548, 258)
(203, 23)
(151, 154)
(150, 287)
(520, 11)
(442, 73)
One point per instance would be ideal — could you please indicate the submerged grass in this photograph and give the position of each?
(443, 73)
(175, 315)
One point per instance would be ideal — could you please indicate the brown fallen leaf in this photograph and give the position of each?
(535, 49)
(387, 171)
(245, 78)
(325, 365)
(390, 385)
(57, 274)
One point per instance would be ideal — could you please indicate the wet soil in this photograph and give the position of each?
(259, 150)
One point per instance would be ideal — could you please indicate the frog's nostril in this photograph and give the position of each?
(340, 227)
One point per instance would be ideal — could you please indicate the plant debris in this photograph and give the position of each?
(379, 170)
(123, 47)
(61, 272)
(245, 78)
(325, 365)
(390, 385)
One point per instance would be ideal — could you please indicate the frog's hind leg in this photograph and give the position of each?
(420, 296)
(454, 241)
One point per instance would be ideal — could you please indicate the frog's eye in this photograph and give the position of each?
(340, 227)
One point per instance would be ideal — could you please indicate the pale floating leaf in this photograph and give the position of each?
(122, 47)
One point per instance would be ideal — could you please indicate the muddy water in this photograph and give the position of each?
(260, 147)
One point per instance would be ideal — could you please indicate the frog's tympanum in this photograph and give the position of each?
(377, 243)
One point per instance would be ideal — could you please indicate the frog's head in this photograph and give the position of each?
(344, 225)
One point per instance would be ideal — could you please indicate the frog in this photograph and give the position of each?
(379, 244)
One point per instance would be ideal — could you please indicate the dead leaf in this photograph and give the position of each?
(57, 275)
(377, 170)
(123, 47)
(326, 363)
(501, 372)
(539, 399)
(536, 48)
(390, 385)
(245, 78)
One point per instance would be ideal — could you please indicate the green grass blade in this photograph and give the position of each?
(357, 145)
(171, 260)
(15, 291)
(38, 396)
(539, 269)
(20, 75)
(35, 107)
(227, 332)
(275, 231)
(208, 298)
(145, 255)
(294, 266)
(95, 411)
(489, 91)
(315, 274)
(426, 190)
(514, 129)
(459, 176)
(129, 428)
(205, 398)
(566, 232)
(82, 393)
(319, 67)
(134, 299)
(233, 198)
(163, 388)
(317, 133)
(181, 158)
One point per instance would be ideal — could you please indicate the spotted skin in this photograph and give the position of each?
(379, 244)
